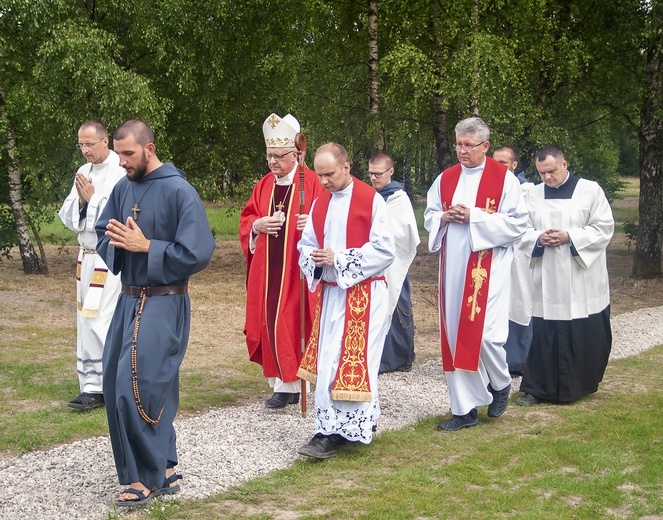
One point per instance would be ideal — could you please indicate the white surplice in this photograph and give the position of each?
(496, 231)
(567, 287)
(404, 228)
(353, 420)
(91, 331)
(520, 303)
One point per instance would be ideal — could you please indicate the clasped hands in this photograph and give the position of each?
(554, 238)
(323, 256)
(459, 214)
(84, 188)
(271, 225)
(127, 236)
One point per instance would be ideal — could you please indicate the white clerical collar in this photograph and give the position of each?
(345, 191)
(102, 164)
(474, 169)
(568, 176)
(286, 180)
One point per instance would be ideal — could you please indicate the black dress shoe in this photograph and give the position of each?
(87, 401)
(319, 447)
(500, 401)
(340, 441)
(281, 400)
(457, 422)
(528, 400)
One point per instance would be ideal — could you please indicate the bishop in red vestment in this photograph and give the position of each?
(269, 229)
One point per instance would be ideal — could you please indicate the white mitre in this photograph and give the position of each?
(280, 131)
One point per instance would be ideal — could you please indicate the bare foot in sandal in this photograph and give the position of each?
(135, 495)
(170, 485)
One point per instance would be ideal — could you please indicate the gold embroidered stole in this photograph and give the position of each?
(90, 307)
(351, 382)
(477, 275)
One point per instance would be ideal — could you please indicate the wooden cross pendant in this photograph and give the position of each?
(135, 209)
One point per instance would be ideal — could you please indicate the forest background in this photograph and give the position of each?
(373, 75)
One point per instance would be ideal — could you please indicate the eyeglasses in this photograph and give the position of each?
(377, 175)
(80, 146)
(278, 157)
(467, 147)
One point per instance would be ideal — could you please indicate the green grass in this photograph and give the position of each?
(598, 458)
(223, 221)
(38, 376)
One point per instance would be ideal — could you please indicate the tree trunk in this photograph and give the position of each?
(374, 80)
(31, 263)
(647, 258)
(442, 146)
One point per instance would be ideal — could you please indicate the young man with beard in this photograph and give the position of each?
(155, 231)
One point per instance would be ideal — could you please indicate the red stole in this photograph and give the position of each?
(477, 275)
(351, 382)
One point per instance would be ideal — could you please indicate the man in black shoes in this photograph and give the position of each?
(572, 337)
(474, 214)
(269, 227)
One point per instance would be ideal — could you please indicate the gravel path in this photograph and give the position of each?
(228, 446)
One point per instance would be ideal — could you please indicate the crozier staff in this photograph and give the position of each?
(269, 229)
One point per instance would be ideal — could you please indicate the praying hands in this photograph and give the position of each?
(127, 236)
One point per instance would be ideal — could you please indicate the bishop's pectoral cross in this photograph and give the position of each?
(136, 210)
(279, 214)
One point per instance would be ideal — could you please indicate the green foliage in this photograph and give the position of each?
(206, 74)
(631, 231)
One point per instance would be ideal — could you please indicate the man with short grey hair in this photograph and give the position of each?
(474, 214)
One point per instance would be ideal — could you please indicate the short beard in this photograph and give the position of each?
(139, 171)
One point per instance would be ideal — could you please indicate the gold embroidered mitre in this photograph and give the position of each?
(280, 131)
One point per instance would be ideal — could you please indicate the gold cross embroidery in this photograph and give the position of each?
(479, 275)
(489, 202)
(273, 121)
(135, 209)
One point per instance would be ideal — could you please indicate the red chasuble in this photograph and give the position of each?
(351, 382)
(272, 326)
(477, 276)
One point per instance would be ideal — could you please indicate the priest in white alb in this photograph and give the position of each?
(474, 214)
(570, 226)
(97, 288)
(345, 247)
